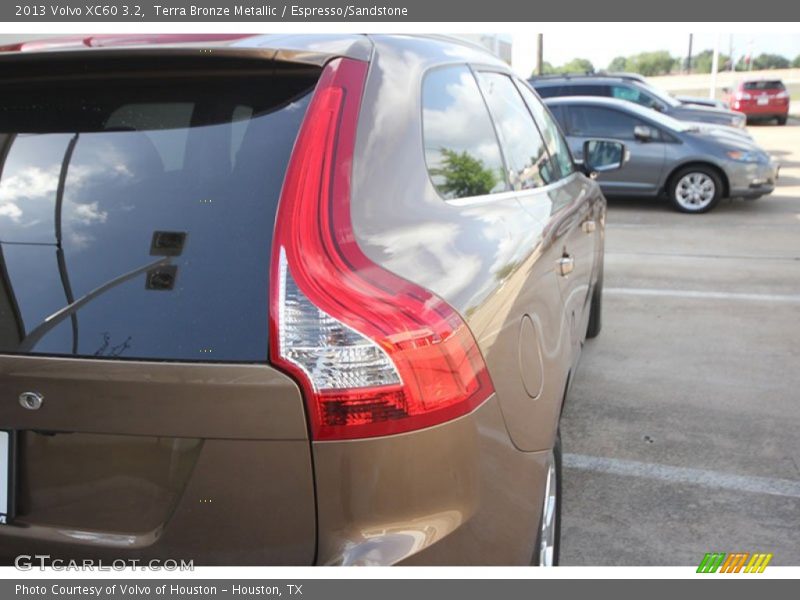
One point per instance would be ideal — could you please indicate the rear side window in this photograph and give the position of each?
(461, 148)
(528, 163)
(553, 139)
(547, 91)
(764, 85)
(136, 217)
(595, 121)
(583, 89)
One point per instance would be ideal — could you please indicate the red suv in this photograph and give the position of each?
(761, 99)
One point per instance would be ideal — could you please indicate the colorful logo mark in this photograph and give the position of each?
(734, 563)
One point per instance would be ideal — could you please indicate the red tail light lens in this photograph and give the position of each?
(374, 353)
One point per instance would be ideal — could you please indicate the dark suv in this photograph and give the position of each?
(633, 89)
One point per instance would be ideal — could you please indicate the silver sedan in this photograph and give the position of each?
(693, 164)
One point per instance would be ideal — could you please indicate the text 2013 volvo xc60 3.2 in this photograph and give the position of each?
(287, 300)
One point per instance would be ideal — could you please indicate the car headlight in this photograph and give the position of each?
(740, 121)
(743, 156)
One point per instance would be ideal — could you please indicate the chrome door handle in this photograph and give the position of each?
(566, 264)
(589, 226)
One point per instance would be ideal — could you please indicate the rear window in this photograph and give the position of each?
(136, 214)
(764, 85)
(547, 91)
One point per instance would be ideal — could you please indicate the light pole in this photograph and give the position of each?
(712, 91)
(539, 50)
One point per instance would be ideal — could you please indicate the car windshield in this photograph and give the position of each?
(136, 216)
(661, 95)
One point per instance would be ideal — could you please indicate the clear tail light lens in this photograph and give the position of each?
(374, 353)
(332, 355)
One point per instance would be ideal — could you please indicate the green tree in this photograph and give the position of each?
(650, 63)
(577, 65)
(702, 62)
(464, 175)
(771, 61)
(620, 63)
(796, 62)
(547, 69)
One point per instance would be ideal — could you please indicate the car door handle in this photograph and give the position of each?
(589, 226)
(566, 264)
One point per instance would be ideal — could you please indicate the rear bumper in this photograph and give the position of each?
(129, 460)
(181, 478)
(767, 110)
(458, 493)
(238, 507)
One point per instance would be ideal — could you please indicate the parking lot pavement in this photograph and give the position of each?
(681, 431)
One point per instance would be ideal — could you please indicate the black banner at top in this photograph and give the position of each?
(451, 11)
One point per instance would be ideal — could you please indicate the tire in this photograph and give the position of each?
(695, 189)
(542, 557)
(596, 310)
(782, 120)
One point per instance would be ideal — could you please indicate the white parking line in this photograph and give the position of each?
(612, 254)
(740, 483)
(789, 298)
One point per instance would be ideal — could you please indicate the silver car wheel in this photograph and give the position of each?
(547, 535)
(695, 191)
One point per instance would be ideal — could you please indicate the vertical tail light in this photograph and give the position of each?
(374, 353)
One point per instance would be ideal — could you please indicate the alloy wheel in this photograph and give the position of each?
(695, 191)
(547, 535)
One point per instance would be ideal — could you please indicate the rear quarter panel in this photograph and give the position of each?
(468, 491)
(492, 258)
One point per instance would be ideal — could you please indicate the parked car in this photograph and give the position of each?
(637, 92)
(760, 99)
(695, 100)
(288, 299)
(694, 165)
